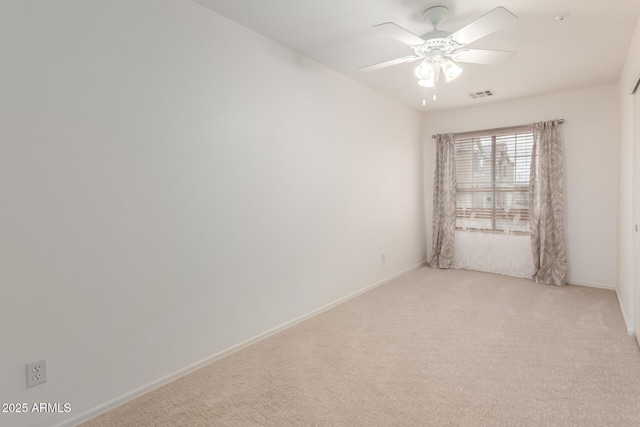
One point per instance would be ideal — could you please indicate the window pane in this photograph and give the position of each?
(474, 210)
(514, 158)
(512, 211)
(493, 182)
(473, 163)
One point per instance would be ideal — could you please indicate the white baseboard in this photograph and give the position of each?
(591, 285)
(86, 416)
(630, 329)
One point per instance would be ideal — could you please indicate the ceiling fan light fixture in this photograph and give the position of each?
(451, 70)
(427, 82)
(424, 71)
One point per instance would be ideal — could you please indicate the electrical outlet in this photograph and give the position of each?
(36, 372)
(383, 257)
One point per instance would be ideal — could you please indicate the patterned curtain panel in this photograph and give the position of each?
(546, 205)
(444, 203)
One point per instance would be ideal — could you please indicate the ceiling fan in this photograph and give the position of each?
(440, 50)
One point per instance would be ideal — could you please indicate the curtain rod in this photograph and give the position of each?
(497, 129)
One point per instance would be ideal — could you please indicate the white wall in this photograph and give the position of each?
(626, 287)
(590, 136)
(172, 185)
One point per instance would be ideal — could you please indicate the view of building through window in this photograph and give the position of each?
(492, 174)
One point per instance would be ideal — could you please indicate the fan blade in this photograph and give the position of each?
(488, 23)
(482, 56)
(390, 63)
(399, 33)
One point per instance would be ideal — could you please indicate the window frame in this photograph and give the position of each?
(497, 192)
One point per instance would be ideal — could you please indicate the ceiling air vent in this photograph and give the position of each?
(481, 94)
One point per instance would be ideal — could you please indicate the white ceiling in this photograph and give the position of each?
(586, 50)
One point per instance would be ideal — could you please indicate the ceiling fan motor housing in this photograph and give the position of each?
(436, 39)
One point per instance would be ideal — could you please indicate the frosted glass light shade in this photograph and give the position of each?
(424, 71)
(451, 70)
(426, 83)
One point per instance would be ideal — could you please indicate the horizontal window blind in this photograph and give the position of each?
(492, 172)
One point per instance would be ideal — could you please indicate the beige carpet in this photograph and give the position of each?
(431, 348)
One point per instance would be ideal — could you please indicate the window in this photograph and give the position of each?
(492, 172)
